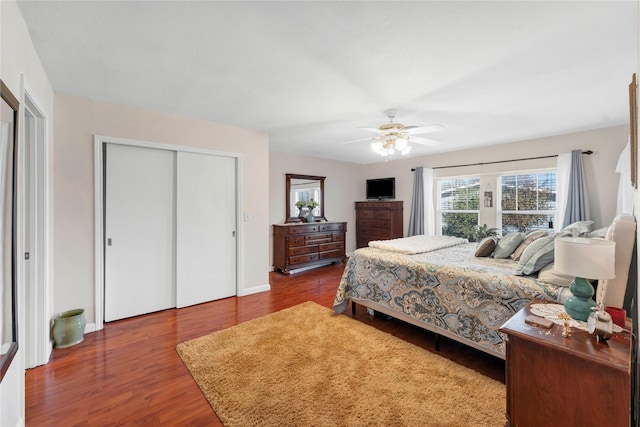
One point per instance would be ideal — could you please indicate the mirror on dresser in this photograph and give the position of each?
(301, 190)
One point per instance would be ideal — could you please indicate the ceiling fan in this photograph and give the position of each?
(396, 136)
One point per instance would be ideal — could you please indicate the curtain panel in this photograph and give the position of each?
(422, 219)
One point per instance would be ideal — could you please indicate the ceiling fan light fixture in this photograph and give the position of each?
(378, 147)
(394, 136)
(401, 144)
(389, 145)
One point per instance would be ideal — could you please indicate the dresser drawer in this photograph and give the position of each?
(365, 213)
(363, 242)
(337, 237)
(317, 238)
(301, 250)
(330, 246)
(376, 205)
(300, 259)
(332, 227)
(331, 254)
(296, 241)
(302, 229)
(381, 214)
(379, 223)
(374, 233)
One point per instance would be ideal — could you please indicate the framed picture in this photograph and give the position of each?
(633, 130)
(488, 199)
(8, 294)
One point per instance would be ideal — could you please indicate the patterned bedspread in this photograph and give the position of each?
(450, 290)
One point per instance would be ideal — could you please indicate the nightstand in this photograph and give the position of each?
(557, 381)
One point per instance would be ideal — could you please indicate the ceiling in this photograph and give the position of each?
(310, 74)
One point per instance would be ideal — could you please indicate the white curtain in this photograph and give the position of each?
(626, 191)
(429, 205)
(563, 172)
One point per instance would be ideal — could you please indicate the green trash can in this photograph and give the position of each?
(68, 328)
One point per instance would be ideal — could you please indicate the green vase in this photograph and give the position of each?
(68, 328)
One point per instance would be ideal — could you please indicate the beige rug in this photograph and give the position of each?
(305, 366)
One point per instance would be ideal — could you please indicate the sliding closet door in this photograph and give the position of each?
(139, 231)
(206, 228)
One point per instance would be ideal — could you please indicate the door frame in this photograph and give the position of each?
(38, 302)
(99, 142)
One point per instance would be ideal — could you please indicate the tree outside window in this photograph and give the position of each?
(528, 201)
(459, 206)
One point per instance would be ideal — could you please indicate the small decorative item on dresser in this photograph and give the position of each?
(306, 208)
(566, 328)
(618, 315)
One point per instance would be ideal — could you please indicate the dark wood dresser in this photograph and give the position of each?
(308, 245)
(575, 381)
(378, 221)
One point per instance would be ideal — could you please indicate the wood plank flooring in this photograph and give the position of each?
(130, 374)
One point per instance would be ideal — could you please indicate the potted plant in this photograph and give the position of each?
(481, 231)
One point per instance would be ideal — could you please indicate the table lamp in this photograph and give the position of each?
(585, 259)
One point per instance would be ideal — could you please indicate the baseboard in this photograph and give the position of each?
(254, 290)
(89, 327)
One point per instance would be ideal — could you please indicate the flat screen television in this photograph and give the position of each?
(381, 188)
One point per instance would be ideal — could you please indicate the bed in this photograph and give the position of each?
(452, 292)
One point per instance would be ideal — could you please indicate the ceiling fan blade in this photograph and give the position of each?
(358, 140)
(424, 141)
(375, 130)
(415, 130)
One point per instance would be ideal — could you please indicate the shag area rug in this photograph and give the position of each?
(306, 366)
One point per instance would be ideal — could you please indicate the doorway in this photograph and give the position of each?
(35, 241)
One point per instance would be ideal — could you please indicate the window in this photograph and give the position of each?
(527, 201)
(459, 206)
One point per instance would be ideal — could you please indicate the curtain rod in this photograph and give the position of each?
(588, 152)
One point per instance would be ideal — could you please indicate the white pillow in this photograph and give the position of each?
(549, 275)
(537, 255)
(599, 233)
(579, 228)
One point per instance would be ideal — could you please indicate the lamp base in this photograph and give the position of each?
(579, 305)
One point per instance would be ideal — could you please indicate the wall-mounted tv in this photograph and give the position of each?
(381, 188)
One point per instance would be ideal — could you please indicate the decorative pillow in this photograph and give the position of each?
(579, 228)
(508, 244)
(535, 256)
(528, 239)
(599, 233)
(486, 246)
(549, 275)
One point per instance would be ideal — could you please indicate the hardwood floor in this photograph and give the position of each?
(130, 374)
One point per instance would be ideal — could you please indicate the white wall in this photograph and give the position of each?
(600, 175)
(77, 120)
(18, 59)
(343, 186)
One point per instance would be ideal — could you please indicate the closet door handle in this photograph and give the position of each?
(109, 241)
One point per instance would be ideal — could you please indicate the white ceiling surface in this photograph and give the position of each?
(311, 73)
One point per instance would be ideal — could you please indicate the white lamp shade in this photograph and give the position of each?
(401, 144)
(586, 258)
